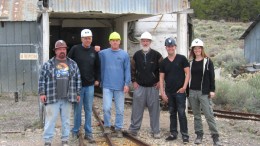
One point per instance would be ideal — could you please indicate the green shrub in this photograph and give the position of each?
(203, 35)
(236, 28)
(222, 89)
(220, 37)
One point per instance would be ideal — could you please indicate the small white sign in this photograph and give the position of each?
(28, 56)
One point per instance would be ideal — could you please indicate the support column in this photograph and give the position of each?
(45, 36)
(182, 34)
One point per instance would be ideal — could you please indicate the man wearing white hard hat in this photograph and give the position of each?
(145, 79)
(88, 61)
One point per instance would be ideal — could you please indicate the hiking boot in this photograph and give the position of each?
(132, 133)
(74, 137)
(64, 143)
(119, 133)
(185, 140)
(157, 136)
(107, 130)
(47, 144)
(216, 141)
(198, 140)
(171, 137)
(89, 138)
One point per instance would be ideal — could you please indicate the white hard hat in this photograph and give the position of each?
(146, 35)
(86, 33)
(197, 42)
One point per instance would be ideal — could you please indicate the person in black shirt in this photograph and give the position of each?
(175, 72)
(201, 90)
(88, 61)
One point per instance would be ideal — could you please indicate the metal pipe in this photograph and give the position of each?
(11, 45)
(16, 96)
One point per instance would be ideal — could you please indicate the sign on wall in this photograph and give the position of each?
(28, 56)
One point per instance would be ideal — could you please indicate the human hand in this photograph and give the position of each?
(135, 85)
(211, 94)
(181, 90)
(43, 98)
(97, 48)
(165, 98)
(96, 83)
(126, 89)
(78, 99)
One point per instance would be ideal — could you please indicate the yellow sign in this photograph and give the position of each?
(28, 56)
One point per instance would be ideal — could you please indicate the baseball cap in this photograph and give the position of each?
(170, 42)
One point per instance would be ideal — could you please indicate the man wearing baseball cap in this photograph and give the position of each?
(175, 73)
(59, 87)
(88, 61)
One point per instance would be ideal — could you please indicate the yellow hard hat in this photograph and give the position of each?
(114, 36)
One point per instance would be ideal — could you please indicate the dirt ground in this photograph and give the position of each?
(19, 126)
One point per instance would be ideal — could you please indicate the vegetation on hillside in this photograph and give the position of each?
(230, 10)
(222, 44)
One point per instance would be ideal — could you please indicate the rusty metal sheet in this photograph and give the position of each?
(120, 6)
(18, 10)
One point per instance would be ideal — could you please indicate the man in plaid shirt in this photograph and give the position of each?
(59, 87)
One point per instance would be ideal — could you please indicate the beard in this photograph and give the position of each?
(62, 55)
(145, 49)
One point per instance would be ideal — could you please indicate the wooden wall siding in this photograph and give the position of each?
(252, 45)
(15, 39)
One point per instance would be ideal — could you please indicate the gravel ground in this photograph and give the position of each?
(19, 126)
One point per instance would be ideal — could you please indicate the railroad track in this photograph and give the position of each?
(110, 139)
(217, 113)
(127, 139)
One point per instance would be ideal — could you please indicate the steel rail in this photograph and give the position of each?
(236, 117)
(134, 139)
(81, 138)
(107, 136)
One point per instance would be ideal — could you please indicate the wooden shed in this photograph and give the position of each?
(252, 42)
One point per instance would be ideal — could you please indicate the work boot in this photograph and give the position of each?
(107, 130)
(216, 141)
(198, 140)
(157, 136)
(185, 140)
(47, 144)
(119, 133)
(89, 138)
(171, 137)
(132, 133)
(64, 143)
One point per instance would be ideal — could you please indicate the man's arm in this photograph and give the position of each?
(163, 94)
(127, 74)
(186, 81)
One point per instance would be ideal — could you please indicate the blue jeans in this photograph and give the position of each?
(119, 99)
(86, 98)
(62, 107)
(177, 104)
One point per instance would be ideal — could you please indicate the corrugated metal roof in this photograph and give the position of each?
(120, 6)
(250, 27)
(18, 10)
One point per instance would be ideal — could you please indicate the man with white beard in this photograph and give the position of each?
(145, 79)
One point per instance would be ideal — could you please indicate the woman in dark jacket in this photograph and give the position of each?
(201, 90)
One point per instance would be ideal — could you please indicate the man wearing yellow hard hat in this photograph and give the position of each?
(115, 80)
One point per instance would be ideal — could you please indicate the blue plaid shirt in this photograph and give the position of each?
(47, 81)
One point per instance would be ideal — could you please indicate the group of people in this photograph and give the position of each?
(68, 81)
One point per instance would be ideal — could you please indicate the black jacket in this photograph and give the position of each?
(145, 68)
(208, 78)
